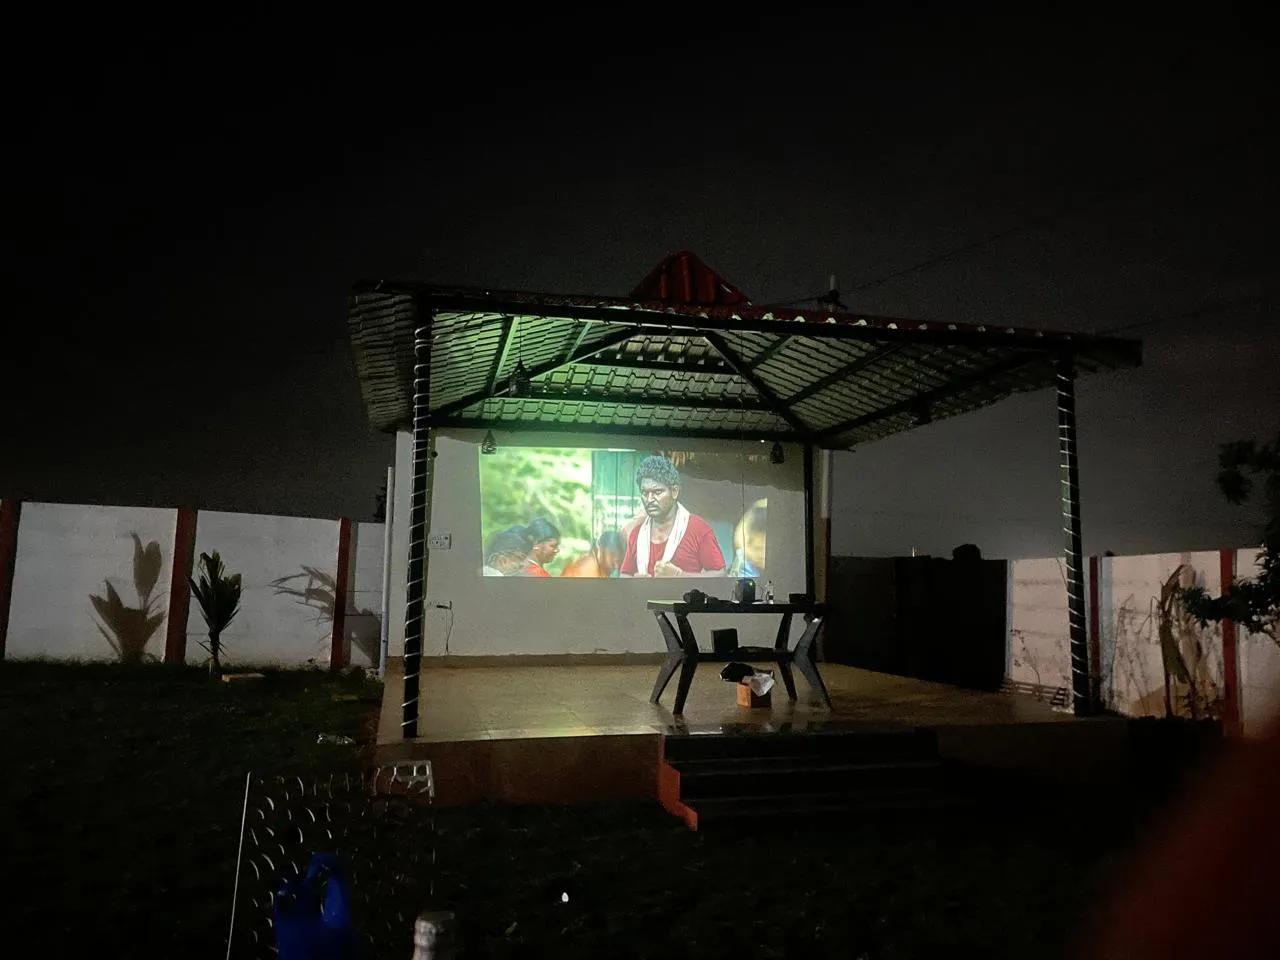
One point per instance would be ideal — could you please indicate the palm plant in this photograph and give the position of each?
(219, 599)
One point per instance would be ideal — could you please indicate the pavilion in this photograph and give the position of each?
(687, 355)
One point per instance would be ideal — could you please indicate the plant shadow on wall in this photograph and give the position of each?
(1183, 654)
(318, 590)
(129, 629)
(1189, 658)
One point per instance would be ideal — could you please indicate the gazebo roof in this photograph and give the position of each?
(688, 355)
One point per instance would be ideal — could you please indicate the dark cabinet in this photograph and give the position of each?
(924, 617)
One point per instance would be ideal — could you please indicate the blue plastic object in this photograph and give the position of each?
(313, 913)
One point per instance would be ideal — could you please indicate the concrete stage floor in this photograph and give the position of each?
(522, 702)
(556, 734)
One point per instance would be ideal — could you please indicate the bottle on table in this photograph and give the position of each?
(768, 591)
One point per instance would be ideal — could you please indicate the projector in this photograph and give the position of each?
(744, 591)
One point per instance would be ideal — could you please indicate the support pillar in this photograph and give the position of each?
(809, 579)
(822, 526)
(184, 550)
(420, 473)
(1082, 698)
(1095, 630)
(1231, 722)
(388, 522)
(338, 638)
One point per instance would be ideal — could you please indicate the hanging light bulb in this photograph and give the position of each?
(776, 454)
(520, 383)
(488, 445)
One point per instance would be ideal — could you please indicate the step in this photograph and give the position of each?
(797, 809)
(869, 747)
(783, 775)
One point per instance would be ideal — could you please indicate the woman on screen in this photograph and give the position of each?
(546, 544)
(506, 553)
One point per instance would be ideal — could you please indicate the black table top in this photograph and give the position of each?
(728, 606)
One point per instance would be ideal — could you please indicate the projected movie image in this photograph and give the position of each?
(597, 514)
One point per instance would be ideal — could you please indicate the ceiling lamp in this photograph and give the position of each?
(775, 454)
(520, 383)
(488, 445)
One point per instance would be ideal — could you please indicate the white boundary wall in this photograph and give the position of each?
(273, 626)
(1129, 615)
(1259, 664)
(67, 552)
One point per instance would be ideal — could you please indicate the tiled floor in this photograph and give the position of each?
(511, 703)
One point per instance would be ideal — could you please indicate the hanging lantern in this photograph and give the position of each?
(488, 445)
(520, 384)
(775, 454)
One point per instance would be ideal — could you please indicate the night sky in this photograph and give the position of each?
(188, 210)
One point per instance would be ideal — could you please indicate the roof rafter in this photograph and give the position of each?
(504, 348)
(929, 397)
(771, 399)
(634, 400)
(721, 368)
(575, 341)
(551, 426)
(850, 368)
(770, 352)
(535, 371)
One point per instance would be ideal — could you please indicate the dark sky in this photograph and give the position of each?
(189, 208)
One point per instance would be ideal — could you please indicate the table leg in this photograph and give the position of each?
(674, 656)
(689, 644)
(805, 665)
(788, 678)
(781, 642)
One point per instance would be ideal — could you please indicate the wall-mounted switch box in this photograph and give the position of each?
(440, 541)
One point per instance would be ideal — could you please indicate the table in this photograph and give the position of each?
(683, 652)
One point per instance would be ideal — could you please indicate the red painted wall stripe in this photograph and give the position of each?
(1230, 654)
(10, 513)
(1095, 630)
(337, 643)
(184, 549)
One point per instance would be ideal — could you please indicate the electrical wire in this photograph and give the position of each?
(1204, 310)
(1038, 221)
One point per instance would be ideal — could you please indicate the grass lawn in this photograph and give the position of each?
(120, 804)
(122, 788)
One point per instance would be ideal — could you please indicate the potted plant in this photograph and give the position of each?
(219, 597)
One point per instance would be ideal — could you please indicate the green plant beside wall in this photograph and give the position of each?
(219, 597)
(1253, 602)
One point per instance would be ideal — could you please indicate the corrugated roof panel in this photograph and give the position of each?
(633, 368)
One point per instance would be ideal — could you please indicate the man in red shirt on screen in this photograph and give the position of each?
(670, 541)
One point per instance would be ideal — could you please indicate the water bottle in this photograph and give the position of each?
(768, 592)
(435, 936)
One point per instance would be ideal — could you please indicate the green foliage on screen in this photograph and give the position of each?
(518, 484)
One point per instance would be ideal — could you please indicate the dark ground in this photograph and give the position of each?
(120, 805)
